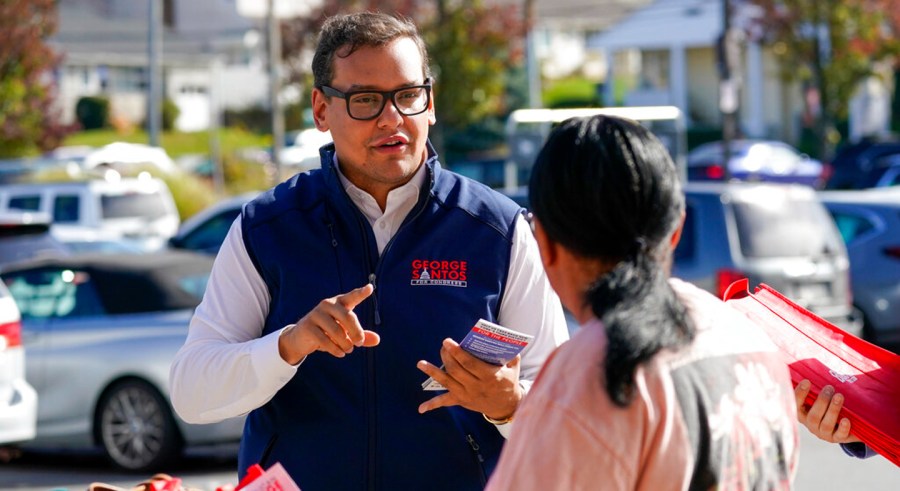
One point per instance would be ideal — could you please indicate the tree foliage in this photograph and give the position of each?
(831, 45)
(28, 117)
(472, 48)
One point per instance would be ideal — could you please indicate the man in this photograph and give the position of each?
(332, 289)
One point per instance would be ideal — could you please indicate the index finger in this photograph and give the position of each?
(354, 297)
(800, 393)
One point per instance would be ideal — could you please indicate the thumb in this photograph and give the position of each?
(370, 338)
(514, 362)
(353, 298)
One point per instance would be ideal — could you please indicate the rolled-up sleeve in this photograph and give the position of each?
(225, 369)
(531, 306)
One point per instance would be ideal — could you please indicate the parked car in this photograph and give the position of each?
(124, 156)
(861, 165)
(140, 209)
(302, 153)
(891, 175)
(869, 222)
(754, 160)
(205, 231)
(780, 235)
(25, 235)
(101, 332)
(18, 399)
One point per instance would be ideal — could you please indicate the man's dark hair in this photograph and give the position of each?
(341, 35)
(605, 188)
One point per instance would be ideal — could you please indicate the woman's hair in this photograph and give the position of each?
(605, 188)
(341, 35)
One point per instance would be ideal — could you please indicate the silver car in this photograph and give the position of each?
(776, 234)
(869, 222)
(101, 332)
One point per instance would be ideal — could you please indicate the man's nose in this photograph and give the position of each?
(390, 115)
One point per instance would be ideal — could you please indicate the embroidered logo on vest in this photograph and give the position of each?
(442, 273)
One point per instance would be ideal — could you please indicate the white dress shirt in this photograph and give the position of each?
(226, 368)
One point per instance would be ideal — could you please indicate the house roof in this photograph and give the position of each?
(664, 23)
(586, 15)
(89, 33)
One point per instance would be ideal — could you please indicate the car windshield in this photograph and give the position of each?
(133, 205)
(789, 228)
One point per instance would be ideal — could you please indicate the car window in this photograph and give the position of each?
(25, 241)
(133, 205)
(687, 245)
(785, 228)
(66, 209)
(31, 202)
(210, 235)
(53, 293)
(851, 225)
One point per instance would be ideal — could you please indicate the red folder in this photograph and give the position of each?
(816, 350)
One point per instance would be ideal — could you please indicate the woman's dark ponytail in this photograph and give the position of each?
(641, 315)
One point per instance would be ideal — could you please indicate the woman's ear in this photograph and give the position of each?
(549, 249)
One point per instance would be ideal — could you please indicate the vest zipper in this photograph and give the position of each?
(372, 279)
(477, 450)
(331, 231)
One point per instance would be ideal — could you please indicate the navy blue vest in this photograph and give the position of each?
(352, 423)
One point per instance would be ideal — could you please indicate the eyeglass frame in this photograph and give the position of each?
(387, 95)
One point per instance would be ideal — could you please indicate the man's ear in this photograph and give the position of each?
(432, 116)
(319, 105)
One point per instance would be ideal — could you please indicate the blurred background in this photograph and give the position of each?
(131, 128)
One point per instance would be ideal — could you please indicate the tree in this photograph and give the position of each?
(473, 48)
(829, 46)
(28, 118)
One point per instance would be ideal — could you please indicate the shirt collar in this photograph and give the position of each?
(404, 194)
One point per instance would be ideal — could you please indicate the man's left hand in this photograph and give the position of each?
(474, 384)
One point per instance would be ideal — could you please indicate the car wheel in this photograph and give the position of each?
(136, 428)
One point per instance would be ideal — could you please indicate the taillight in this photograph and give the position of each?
(724, 279)
(715, 172)
(10, 334)
(892, 251)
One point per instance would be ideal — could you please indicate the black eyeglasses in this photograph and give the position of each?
(368, 104)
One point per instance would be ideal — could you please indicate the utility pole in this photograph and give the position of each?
(533, 70)
(215, 147)
(154, 71)
(274, 51)
(729, 84)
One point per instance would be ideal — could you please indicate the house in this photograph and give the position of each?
(209, 54)
(665, 53)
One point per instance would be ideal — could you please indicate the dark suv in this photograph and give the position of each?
(776, 234)
(862, 165)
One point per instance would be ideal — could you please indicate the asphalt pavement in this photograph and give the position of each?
(823, 467)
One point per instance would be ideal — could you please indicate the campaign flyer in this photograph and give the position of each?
(489, 342)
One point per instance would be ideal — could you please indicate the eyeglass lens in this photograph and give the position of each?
(366, 105)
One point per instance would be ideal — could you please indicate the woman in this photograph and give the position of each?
(664, 386)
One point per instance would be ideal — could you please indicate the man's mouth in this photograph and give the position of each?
(391, 142)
